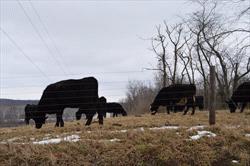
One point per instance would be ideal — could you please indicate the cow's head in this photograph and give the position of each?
(39, 119)
(27, 114)
(232, 105)
(153, 109)
(32, 113)
(102, 99)
(124, 113)
(29, 110)
(78, 115)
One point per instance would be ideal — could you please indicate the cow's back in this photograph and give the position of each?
(69, 93)
(174, 93)
(242, 93)
(111, 107)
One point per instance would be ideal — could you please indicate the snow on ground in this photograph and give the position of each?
(139, 129)
(196, 127)
(202, 134)
(164, 127)
(119, 131)
(71, 138)
(235, 161)
(109, 140)
(115, 140)
(247, 135)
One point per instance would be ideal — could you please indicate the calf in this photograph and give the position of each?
(115, 108)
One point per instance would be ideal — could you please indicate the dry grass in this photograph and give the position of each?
(134, 144)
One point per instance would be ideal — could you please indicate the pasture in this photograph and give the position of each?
(161, 139)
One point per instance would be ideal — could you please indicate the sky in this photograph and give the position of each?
(44, 41)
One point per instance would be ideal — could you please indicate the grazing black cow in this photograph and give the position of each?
(89, 113)
(240, 96)
(115, 108)
(81, 93)
(171, 95)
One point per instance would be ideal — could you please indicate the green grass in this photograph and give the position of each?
(138, 145)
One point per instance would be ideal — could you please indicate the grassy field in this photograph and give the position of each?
(134, 140)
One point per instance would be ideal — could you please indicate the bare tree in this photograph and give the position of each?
(215, 45)
(138, 97)
(168, 46)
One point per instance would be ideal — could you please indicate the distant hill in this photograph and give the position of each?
(17, 102)
(12, 112)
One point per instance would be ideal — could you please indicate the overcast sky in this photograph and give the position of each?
(43, 42)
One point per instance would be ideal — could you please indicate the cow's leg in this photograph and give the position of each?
(193, 110)
(243, 106)
(186, 110)
(167, 109)
(100, 117)
(89, 118)
(57, 120)
(61, 121)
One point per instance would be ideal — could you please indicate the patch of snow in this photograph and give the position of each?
(115, 140)
(46, 138)
(202, 134)
(13, 139)
(119, 131)
(235, 161)
(247, 135)
(196, 128)
(49, 141)
(165, 127)
(72, 138)
(32, 139)
(139, 129)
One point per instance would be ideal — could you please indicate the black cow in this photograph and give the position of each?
(171, 95)
(89, 113)
(240, 96)
(81, 93)
(115, 108)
